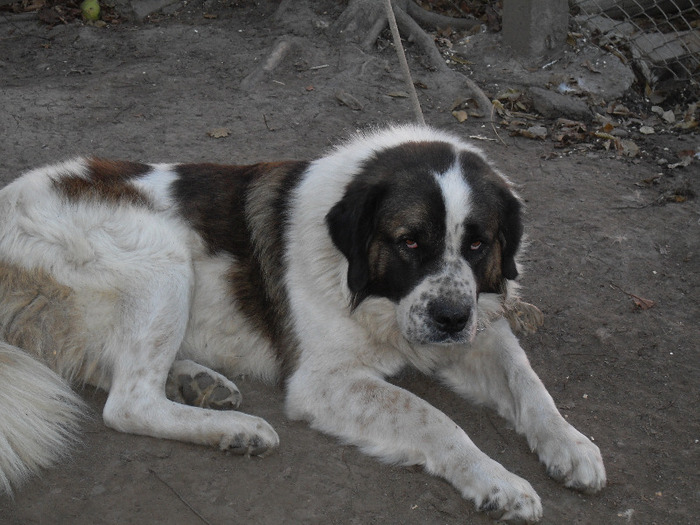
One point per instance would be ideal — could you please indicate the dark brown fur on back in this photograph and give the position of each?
(242, 211)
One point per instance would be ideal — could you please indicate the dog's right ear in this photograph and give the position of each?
(351, 224)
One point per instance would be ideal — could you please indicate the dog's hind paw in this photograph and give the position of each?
(196, 385)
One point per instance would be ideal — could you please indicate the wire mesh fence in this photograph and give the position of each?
(659, 38)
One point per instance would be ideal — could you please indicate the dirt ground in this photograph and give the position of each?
(601, 237)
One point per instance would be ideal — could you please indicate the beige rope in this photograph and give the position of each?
(413, 95)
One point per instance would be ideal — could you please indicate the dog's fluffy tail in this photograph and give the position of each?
(39, 416)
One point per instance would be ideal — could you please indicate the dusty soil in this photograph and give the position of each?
(599, 231)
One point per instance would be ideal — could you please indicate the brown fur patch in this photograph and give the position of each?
(492, 277)
(38, 315)
(110, 171)
(106, 180)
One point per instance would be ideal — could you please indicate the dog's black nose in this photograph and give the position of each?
(449, 317)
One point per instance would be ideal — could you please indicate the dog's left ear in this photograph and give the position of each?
(351, 224)
(510, 232)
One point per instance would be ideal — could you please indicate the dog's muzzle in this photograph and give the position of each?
(439, 320)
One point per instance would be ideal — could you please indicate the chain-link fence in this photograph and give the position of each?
(660, 38)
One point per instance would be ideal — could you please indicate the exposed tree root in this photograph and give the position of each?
(434, 20)
(363, 20)
(282, 48)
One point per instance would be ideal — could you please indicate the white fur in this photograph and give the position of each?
(147, 294)
(37, 422)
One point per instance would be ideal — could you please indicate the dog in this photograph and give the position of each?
(158, 283)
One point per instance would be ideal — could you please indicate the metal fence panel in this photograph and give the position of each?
(661, 38)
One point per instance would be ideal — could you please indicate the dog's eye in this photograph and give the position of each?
(476, 245)
(410, 243)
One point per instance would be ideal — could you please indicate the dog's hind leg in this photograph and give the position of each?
(143, 349)
(196, 385)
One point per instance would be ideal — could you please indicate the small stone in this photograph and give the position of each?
(535, 132)
(628, 148)
(668, 117)
(646, 130)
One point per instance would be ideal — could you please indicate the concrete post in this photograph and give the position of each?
(535, 28)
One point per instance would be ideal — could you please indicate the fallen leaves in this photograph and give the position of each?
(569, 131)
(618, 129)
(463, 108)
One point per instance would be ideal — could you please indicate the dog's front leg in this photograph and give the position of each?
(386, 421)
(496, 372)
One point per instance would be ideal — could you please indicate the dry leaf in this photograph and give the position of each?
(603, 135)
(460, 115)
(219, 133)
(641, 303)
(615, 108)
(346, 99)
(682, 164)
(398, 94)
(590, 67)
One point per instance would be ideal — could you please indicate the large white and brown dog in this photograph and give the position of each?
(160, 282)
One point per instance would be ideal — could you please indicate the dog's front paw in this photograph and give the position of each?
(505, 496)
(573, 459)
(258, 440)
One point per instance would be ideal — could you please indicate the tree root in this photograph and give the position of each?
(282, 48)
(429, 19)
(363, 20)
(415, 33)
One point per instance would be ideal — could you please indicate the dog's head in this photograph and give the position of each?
(428, 225)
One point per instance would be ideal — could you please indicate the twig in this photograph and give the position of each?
(267, 124)
(196, 513)
(493, 126)
(415, 103)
